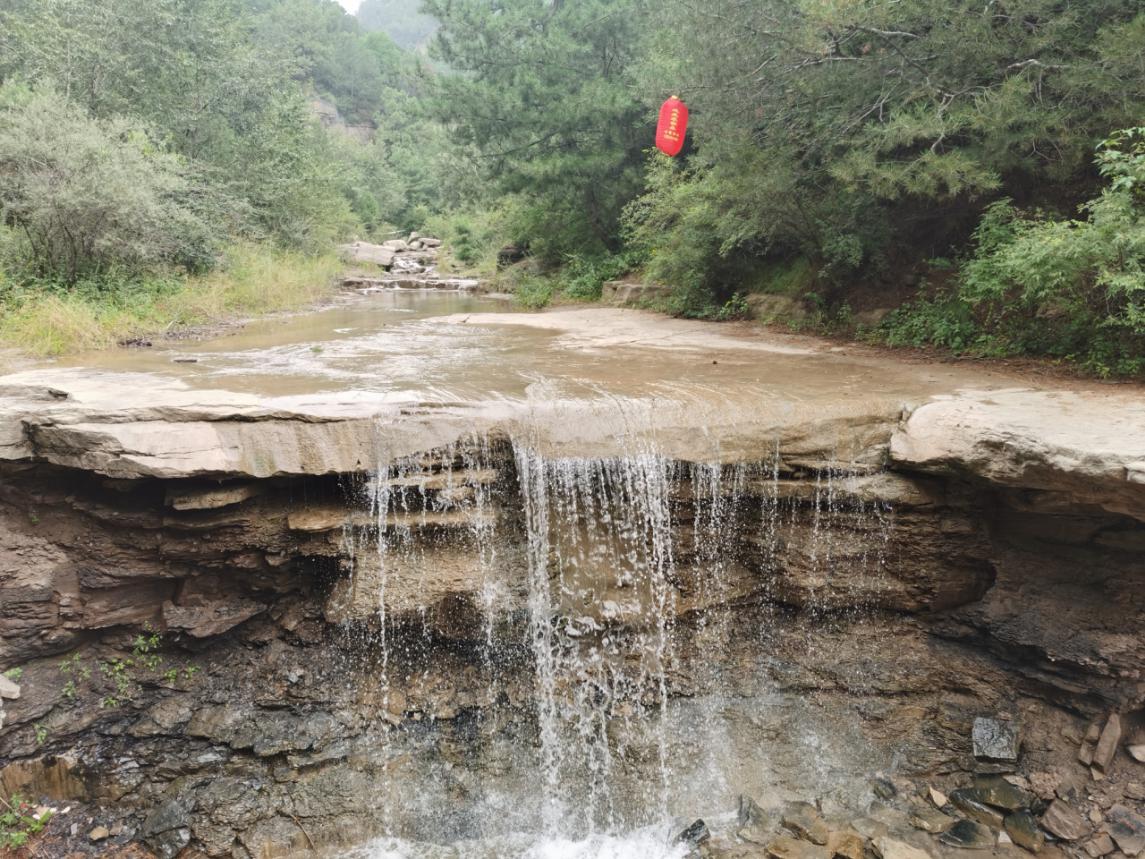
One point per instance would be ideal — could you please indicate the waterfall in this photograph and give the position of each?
(593, 573)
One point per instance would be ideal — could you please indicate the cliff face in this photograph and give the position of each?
(211, 655)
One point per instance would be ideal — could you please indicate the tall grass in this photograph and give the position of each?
(44, 320)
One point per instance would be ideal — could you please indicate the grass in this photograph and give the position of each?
(253, 279)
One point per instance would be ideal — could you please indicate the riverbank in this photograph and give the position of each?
(252, 280)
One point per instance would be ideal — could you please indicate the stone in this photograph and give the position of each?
(99, 833)
(939, 798)
(870, 828)
(1064, 822)
(966, 800)
(8, 689)
(1023, 828)
(1003, 838)
(1137, 752)
(1000, 793)
(1135, 790)
(891, 848)
(1085, 752)
(165, 817)
(1106, 748)
(883, 788)
(846, 844)
(995, 740)
(786, 847)
(1045, 784)
(968, 835)
(804, 820)
(753, 824)
(1100, 845)
(695, 834)
(1127, 829)
(924, 816)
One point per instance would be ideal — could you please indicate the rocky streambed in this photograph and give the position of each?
(477, 583)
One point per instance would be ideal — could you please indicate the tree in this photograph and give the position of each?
(877, 127)
(541, 98)
(88, 195)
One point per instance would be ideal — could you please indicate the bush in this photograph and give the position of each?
(83, 196)
(1072, 289)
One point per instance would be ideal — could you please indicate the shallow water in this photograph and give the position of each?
(649, 843)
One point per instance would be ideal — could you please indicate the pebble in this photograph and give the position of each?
(938, 798)
(99, 833)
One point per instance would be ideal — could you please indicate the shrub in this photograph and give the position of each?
(84, 196)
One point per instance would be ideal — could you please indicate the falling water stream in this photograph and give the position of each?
(621, 557)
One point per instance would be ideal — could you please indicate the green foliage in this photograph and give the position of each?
(869, 136)
(14, 674)
(19, 822)
(1065, 288)
(542, 100)
(87, 196)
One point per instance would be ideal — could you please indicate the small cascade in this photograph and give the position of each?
(615, 583)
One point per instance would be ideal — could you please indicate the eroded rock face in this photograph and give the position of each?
(329, 646)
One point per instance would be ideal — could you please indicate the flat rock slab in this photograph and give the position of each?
(1089, 446)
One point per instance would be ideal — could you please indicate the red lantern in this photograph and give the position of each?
(672, 127)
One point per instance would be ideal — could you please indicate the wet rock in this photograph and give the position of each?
(968, 802)
(883, 788)
(169, 844)
(1106, 748)
(694, 834)
(1064, 822)
(1023, 828)
(995, 740)
(968, 835)
(1127, 829)
(926, 817)
(752, 821)
(1100, 845)
(891, 848)
(1000, 793)
(804, 820)
(846, 844)
(786, 847)
(870, 828)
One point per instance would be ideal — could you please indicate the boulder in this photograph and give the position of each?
(695, 834)
(1064, 822)
(1000, 793)
(1100, 845)
(803, 819)
(1023, 829)
(786, 847)
(995, 740)
(968, 802)
(753, 823)
(1127, 829)
(926, 817)
(846, 844)
(968, 835)
(364, 252)
(890, 848)
(1106, 748)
